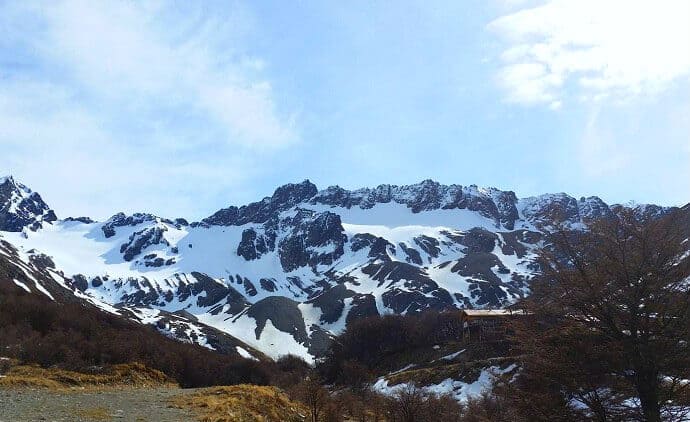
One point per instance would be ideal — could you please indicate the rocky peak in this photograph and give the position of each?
(289, 195)
(551, 210)
(593, 208)
(284, 198)
(21, 208)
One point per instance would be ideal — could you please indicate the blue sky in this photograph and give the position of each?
(181, 108)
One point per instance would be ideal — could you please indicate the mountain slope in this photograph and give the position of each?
(286, 273)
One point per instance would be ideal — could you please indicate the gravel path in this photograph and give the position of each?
(137, 405)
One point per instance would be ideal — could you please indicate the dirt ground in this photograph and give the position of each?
(136, 405)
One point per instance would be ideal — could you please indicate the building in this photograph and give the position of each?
(484, 325)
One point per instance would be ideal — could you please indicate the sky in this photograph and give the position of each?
(181, 108)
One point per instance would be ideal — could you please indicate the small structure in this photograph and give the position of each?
(480, 325)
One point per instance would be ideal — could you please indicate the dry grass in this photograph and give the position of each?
(242, 403)
(125, 375)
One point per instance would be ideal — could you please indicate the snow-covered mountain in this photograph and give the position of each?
(21, 208)
(286, 273)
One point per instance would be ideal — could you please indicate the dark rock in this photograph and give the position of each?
(249, 287)
(309, 234)
(253, 246)
(319, 342)
(361, 241)
(158, 262)
(331, 302)
(479, 265)
(84, 220)
(412, 254)
(80, 282)
(284, 198)
(143, 239)
(283, 314)
(41, 261)
(363, 306)
(268, 285)
(429, 245)
(122, 220)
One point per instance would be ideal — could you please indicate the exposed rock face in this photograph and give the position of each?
(122, 220)
(313, 239)
(84, 220)
(21, 208)
(283, 314)
(252, 246)
(284, 198)
(141, 240)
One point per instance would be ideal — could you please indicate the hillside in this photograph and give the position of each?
(46, 324)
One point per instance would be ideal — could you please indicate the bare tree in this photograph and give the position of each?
(407, 404)
(314, 395)
(610, 330)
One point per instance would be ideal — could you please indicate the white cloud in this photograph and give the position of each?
(134, 106)
(80, 168)
(142, 58)
(593, 50)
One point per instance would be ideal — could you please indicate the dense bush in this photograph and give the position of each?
(74, 336)
(367, 344)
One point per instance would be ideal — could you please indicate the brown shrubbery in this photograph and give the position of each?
(380, 344)
(76, 337)
(130, 375)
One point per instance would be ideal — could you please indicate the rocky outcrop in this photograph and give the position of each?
(141, 240)
(22, 208)
(312, 239)
(284, 198)
(283, 314)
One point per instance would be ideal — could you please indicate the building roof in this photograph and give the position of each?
(492, 312)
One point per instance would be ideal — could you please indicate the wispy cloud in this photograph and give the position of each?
(590, 50)
(147, 57)
(144, 98)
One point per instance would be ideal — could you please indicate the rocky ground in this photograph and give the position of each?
(137, 405)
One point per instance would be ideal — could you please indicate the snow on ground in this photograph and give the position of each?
(244, 353)
(460, 390)
(398, 215)
(453, 355)
(273, 342)
(22, 285)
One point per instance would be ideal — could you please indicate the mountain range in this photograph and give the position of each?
(287, 273)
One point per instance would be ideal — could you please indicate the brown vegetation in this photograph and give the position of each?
(242, 403)
(77, 337)
(124, 375)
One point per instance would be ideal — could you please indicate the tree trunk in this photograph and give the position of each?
(646, 384)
